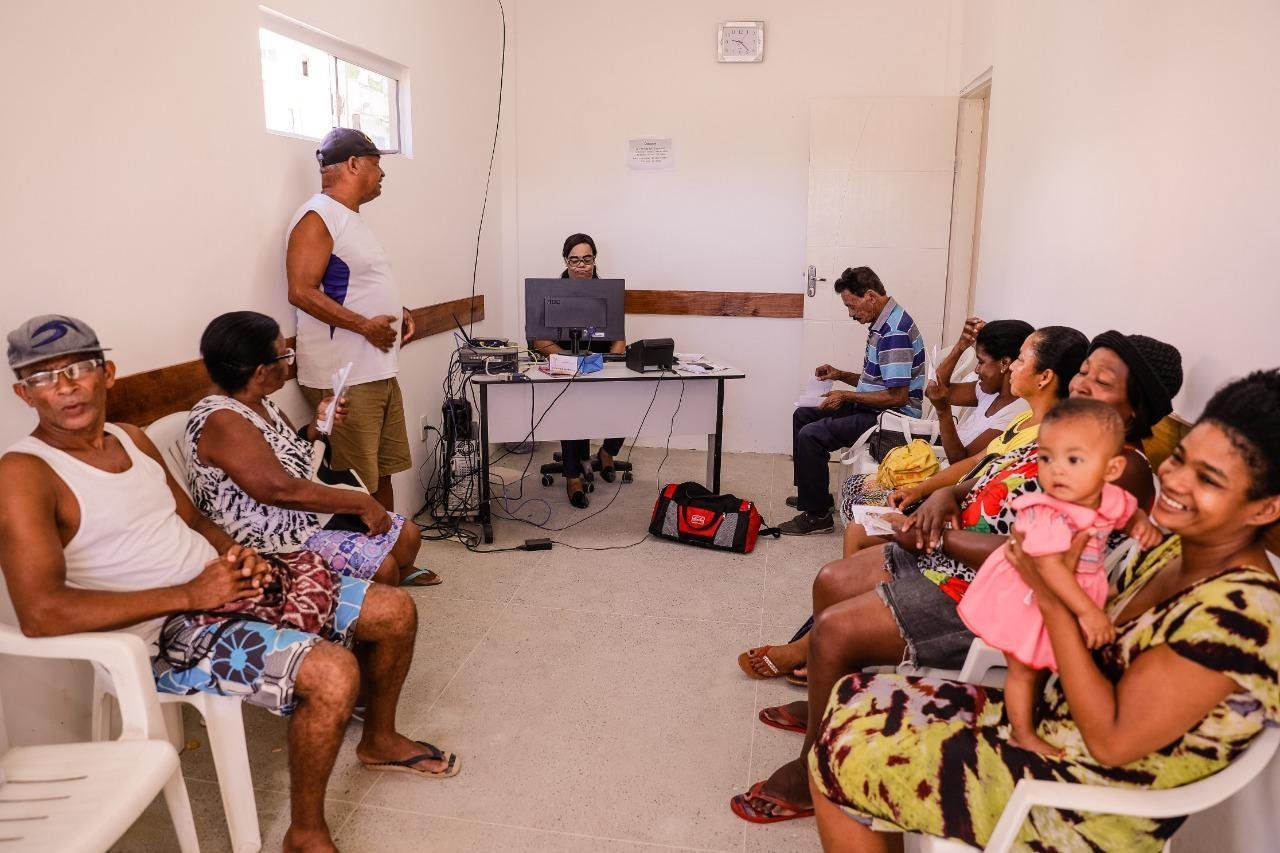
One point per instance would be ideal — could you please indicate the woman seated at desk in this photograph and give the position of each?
(580, 262)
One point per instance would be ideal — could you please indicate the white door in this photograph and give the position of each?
(880, 181)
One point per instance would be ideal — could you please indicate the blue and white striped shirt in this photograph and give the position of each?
(895, 357)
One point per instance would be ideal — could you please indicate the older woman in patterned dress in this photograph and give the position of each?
(1188, 683)
(250, 471)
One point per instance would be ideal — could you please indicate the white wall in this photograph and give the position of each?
(1132, 177)
(1132, 183)
(144, 196)
(732, 214)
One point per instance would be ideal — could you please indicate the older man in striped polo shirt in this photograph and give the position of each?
(892, 379)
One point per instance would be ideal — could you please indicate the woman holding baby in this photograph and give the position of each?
(1186, 681)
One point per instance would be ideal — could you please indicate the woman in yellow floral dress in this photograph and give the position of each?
(1189, 681)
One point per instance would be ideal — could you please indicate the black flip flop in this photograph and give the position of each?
(433, 753)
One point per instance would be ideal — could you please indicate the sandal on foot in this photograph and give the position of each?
(431, 578)
(406, 765)
(798, 678)
(741, 806)
(761, 654)
(783, 719)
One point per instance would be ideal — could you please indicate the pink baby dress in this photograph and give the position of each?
(998, 606)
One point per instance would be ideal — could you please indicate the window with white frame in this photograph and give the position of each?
(312, 83)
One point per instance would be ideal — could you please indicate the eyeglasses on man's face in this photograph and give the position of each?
(43, 379)
(584, 261)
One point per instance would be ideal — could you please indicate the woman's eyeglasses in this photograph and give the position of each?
(288, 356)
(584, 261)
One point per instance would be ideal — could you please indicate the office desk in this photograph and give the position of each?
(611, 402)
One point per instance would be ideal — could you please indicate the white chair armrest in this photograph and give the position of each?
(1118, 560)
(926, 425)
(851, 454)
(1170, 802)
(980, 661)
(124, 656)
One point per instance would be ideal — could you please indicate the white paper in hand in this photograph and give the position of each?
(873, 519)
(339, 387)
(814, 391)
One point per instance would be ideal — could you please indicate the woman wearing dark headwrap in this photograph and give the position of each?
(1139, 377)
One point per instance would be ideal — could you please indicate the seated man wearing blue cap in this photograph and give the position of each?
(95, 535)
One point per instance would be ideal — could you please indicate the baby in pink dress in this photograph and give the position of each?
(1079, 457)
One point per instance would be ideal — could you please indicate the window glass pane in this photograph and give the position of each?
(367, 102)
(297, 86)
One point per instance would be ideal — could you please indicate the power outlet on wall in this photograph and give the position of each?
(423, 425)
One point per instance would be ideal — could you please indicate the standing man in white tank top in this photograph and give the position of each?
(349, 310)
(95, 535)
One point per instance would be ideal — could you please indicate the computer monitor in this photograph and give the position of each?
(562, 309)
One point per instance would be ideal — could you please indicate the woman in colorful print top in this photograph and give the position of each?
(1189, 681)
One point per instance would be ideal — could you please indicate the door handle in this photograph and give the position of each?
(813, 280)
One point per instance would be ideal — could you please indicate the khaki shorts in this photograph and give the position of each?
(371, 440)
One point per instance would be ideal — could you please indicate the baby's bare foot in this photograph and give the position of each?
(1031, 741)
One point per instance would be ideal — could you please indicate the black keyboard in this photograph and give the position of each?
(615, 356)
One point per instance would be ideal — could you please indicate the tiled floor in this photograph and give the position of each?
(592, 695)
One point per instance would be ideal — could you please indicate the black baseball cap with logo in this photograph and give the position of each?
(342, 143)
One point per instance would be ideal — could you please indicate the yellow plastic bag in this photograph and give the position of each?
(907, 465)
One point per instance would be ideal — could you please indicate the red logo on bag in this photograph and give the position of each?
(697, 519)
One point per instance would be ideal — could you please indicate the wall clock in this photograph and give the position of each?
(741, 41)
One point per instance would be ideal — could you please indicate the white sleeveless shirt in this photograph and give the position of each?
(358, 277)
(130, 536)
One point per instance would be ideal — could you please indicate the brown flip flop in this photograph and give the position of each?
(783, 719)
(762, 653)
(741, 806)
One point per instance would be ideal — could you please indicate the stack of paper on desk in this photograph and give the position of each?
(698, 366)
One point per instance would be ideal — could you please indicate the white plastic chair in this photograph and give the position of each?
(223, 715)
(167, 435)
(1171, 802)
(858, 459)
(224, 725)
(84, 796)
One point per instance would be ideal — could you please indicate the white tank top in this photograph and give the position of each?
(976, 422)
(358, 277)
(130, 535)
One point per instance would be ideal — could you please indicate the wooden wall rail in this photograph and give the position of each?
(434, 319)
(141, 398)
(714, 303)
